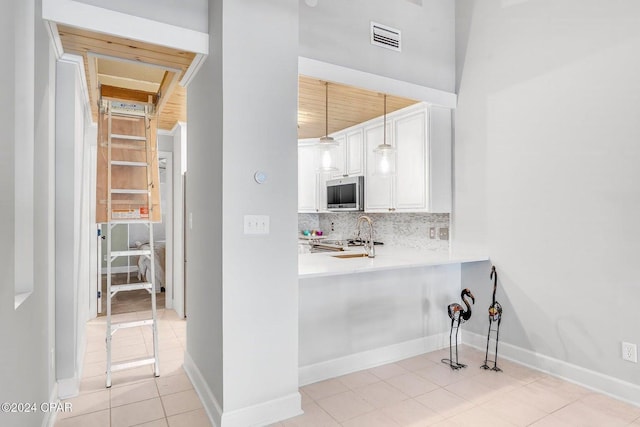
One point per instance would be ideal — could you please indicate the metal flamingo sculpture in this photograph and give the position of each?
(458, 315)
(495, 315)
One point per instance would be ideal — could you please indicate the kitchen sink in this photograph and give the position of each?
(350, 256)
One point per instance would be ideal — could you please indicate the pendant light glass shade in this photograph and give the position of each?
(385, 158)
(385, 154)
(327, 144)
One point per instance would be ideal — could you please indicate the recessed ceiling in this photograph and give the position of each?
(126, 64)
(129, 75)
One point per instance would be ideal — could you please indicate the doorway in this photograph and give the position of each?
(133, 269)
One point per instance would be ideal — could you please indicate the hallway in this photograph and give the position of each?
(136, 397)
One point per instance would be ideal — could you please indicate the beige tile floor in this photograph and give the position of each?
(419, 391)
(136, 396)
(422, 391)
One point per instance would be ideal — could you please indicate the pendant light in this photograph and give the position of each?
(326, 144)
(385, 159)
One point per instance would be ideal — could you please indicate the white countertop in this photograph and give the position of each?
(387, 258)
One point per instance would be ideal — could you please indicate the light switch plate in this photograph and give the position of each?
(432, 232)
(256, 224)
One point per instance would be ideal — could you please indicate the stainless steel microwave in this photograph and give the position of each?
(345, 194)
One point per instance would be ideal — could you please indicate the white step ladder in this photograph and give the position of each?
(140, 216)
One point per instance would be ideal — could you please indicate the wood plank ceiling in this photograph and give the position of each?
(347, 106)
(116, 63)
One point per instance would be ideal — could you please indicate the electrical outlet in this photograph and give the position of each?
(629, 352)
(432, 232)
(443, 233)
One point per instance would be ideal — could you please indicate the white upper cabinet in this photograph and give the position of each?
(409, 136)
(339, 156)
(349, 155)
(378, 190)
(422, 182)
(312, 191)
(421, 135)
(307, 178)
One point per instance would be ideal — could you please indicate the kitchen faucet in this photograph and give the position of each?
(368, 244)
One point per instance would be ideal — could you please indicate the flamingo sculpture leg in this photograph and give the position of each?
(495, 359)
(460, 365)
(452, 364)
(486, 353)
(458, 315)
(495, 315)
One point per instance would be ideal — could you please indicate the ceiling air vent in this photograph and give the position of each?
(384, 36)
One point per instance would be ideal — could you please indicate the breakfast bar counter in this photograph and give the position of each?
(355, 313)
(387, 258)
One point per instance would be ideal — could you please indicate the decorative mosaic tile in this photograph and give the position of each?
(393, 229)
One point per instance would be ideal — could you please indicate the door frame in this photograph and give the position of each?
(167, 213)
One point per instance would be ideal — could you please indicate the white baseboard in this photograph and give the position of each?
(262, 414)
(368, 359)
(209, 401)
(68, 387)
(593, 380)
(265, 413)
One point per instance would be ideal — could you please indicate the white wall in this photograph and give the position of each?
(165, 141)
(204, 206)
(26, 371)
(74, 285)
(184, 13)
(242, 333)
(546, 174)
(337, 31)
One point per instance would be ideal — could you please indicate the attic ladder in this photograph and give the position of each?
(139, 216)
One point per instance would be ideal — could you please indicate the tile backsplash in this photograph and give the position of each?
(393, 229)
(308, 221)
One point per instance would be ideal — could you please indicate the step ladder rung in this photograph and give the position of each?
(127, 114)
(131, 287)
(127, 163)
(120, 113)
(124, 146)
(129, 191)
(127, 201)
(131, 221)
(128, 137)
(131, 252)
(132, 364)
(133, 324)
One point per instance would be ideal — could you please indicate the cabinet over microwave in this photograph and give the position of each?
(345, 194)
